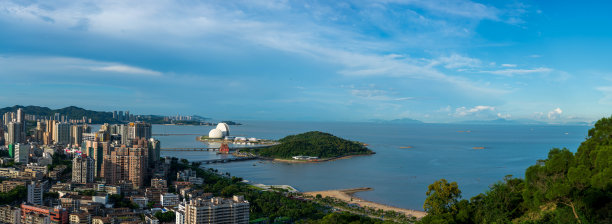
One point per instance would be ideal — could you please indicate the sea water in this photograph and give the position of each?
(399, 176)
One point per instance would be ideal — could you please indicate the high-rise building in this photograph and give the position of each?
(22, 153)
(154, 151)
(217, 210)
(7, 117)
(35, 192)
(13, 133)
(21, 119)
(96, 150)
(83, 169)
(48, 135)
(61, 133)
(127, 164)
(39, 131)
(138, 130)
(76, 135)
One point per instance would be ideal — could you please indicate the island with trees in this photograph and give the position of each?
(313, 146)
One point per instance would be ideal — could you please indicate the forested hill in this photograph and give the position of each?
(314, 143)
(564, 188)
(72, 112)
(97, 117)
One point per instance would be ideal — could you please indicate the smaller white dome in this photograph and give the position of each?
(224, 128)
(215, 133)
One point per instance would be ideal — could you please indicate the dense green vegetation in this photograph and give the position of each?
(18, 194)
(263, 204)
(119, 201)
(314, 143)
(165, 216)
(564, 188)
(345, 218)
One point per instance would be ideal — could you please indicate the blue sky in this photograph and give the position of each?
(435, 61)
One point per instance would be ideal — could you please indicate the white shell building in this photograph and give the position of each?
(221, 131)
(223, 127)
(215, 133)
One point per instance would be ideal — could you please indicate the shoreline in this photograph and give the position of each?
(347, 195)
(314, 161)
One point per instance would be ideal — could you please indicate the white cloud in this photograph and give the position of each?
(463, 111)
(503, 116)
(555, 114)
(459, 8)
(458, 61)
(508, 65)
(512, 72)
(376, 94)
(127, 69)
(69, 66)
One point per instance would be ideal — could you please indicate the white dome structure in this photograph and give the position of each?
(215, 133)
(224, 128)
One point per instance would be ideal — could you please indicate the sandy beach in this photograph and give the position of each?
(347, 194)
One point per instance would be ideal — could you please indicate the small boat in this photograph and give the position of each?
(478, 147)
(254, 164)
(405, 147)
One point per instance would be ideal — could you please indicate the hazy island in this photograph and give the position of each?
(312, 146)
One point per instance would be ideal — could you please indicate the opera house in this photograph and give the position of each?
(219, 132)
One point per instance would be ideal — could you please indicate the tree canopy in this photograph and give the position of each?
(565, 187)
(314, 143)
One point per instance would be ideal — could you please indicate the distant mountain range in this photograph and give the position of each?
(398, 121)
(73, 112)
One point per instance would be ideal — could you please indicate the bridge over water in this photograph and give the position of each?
(226, 160)
(215, 148)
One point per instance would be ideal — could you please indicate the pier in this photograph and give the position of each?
(216, 148)
(191, 149)
(226, 160)
(173, 134)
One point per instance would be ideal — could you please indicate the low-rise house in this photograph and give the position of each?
(151, 219)
(9, 185)
(169, 200)
(10, 214)
(80, 218)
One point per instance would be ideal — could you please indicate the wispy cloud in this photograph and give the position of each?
(457, 61)
(378, 95)
(127, 69)
(512, 72)
(464, 111)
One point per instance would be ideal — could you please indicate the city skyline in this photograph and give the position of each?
(311, 61)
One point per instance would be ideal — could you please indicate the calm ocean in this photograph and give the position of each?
(399, 176)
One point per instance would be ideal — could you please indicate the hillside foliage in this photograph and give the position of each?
(566, 187)
(314, 143)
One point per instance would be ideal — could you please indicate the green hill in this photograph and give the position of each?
(73, 112)
(314, 143)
